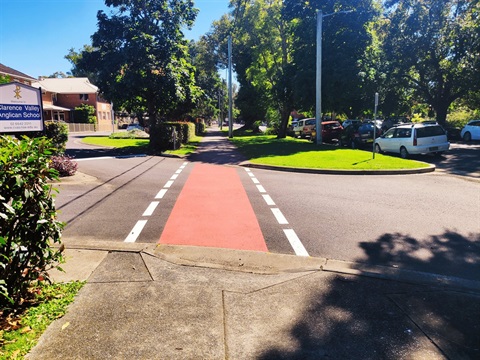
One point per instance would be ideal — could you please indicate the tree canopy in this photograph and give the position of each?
(433, 48)
(418, 54)
(139, 56)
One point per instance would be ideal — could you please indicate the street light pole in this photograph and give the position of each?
(318, 100)
(230, 92)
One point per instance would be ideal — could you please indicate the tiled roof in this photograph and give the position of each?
(67, 85)
(9, 71)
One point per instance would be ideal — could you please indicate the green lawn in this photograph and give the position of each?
(290, 152)
(140, 144)
(115, 142)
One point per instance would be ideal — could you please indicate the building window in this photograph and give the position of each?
(84, 97)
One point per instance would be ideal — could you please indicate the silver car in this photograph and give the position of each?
(409, 139)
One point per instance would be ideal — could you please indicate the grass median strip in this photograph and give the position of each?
(296, 153)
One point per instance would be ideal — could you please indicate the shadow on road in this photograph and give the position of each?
(357, 317)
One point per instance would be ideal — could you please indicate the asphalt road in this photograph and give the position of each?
(428, 222)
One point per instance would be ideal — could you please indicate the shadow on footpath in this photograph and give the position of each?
(357, 317)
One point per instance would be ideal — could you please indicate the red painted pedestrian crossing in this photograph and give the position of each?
(213, 210)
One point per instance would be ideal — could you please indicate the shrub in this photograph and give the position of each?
(64, 165)
(163, 137)
(28, 221)
(200, 128)
(271, 131)
(85, 114)
(58, 133)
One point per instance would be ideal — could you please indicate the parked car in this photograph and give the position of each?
(331, 131)
(132, 127)
(308, 126)
(471, 131)
(350, 122)
(420, 138)
(297, 127)
(359, 135)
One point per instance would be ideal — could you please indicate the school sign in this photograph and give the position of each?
(20, 108)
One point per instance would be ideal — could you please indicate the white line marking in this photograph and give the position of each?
(178, 171)
(168, 184)
(137, 229)
(279, 216)
(261, 188)
(247, 170)
(255, 181)
(96, 158)
(251, 174)
(295, 242)
(174, 177)
(161, 194)
(151, 208)
(268, 200)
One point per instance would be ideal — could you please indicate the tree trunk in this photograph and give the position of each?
(282, 130)
(441, 108)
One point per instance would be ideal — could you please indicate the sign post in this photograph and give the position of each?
(21, 108)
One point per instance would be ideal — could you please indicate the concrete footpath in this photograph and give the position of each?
(143, 301)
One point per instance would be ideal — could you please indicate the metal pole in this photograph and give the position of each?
(230, 101)
(318, 102)
(375, 123)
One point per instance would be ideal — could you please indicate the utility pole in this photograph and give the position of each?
(318, 100)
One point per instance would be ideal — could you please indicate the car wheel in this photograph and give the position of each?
(467, 137)
(403, 152)
(378, 150)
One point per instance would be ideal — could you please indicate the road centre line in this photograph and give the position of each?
(255, 180)
(174, 177)
(168, 184)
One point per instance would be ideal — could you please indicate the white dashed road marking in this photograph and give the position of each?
(137, 229)
(292, 237)
(295, 242)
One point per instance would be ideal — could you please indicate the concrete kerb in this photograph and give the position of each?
(428, 169)
(257, 263)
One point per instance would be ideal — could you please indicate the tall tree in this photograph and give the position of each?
(345, 40)
(262, 48)
(433, 48)
(207, 79)
(140, 57)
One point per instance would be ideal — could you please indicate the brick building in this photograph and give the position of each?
(61, 96)
(15, 75)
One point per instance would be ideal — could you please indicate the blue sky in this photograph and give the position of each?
(35, 35)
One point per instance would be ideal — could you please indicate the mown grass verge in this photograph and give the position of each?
(296, 153)
(20, 331)
(137, 145)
